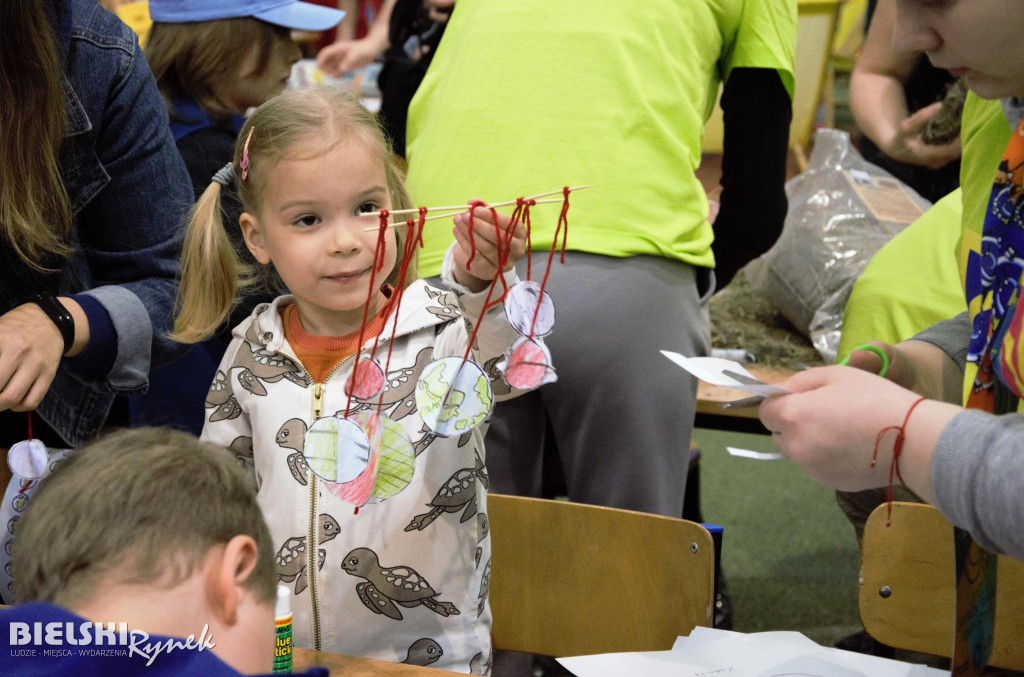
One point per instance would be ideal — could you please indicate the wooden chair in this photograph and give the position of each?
(907, 589)
(569, 579)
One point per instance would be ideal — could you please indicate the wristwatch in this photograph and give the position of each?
(57, 313)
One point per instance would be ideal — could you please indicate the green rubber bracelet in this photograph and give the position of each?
(871, 349)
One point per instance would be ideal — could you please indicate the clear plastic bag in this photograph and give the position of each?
(842, 209)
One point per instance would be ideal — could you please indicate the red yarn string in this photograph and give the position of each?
(378, 264)
(562, 227)
(472, 244)
(502, 256)
(29, 414)
(413, 239)
(529, 227)
(897, 449)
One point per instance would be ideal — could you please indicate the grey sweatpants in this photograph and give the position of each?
(620, 414)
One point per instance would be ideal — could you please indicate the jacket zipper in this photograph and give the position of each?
(313, 535)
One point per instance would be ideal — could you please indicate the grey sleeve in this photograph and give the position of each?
(950, 336)
(978, 478)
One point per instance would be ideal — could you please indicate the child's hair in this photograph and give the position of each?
(137, 506)
(200, 60)
(211, 272)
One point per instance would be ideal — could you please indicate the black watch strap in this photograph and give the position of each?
(60, 316)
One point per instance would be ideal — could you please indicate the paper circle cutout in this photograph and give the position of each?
(28, 459)
(336, 449)
(397, 458)
(521, 303)
(366, 381)
(453, 396)
(528, 365)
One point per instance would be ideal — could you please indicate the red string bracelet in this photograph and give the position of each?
(897, 449)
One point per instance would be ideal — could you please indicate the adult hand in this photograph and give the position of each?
(908, 146)
(439, 10)
(348, 55)
(830, 426)
(484, 247)
(30, 350)
(914, 365)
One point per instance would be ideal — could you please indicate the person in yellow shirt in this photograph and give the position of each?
(612, 94)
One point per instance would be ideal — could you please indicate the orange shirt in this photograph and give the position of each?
(321, 354)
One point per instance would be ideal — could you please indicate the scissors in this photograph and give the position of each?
(755, 400)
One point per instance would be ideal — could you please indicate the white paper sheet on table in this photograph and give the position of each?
(765, 654)
(711, 370)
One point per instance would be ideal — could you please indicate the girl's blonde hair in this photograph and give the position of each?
(35, 211)
(211, 272)
(200, 60)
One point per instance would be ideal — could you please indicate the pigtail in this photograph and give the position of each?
(211, 272)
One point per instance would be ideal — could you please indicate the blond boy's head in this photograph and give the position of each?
(143, 506)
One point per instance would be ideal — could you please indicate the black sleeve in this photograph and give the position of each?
(756, 114)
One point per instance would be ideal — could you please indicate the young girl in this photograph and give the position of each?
(212, 63)
(401, 579)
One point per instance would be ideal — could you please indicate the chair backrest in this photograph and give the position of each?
(908, 593)
(569, 579)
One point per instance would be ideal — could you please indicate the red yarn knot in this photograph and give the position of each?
(472, 244)
(897, 449)
(419, 233)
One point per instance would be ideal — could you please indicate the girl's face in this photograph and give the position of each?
(309, 226)
(254, 85)
(975, 39)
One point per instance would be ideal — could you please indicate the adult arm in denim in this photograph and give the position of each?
(131, 231)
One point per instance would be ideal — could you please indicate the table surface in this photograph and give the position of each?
(355, 666)
(710, 399)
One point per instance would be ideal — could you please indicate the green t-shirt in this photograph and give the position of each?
(911, 283)
(528, 96)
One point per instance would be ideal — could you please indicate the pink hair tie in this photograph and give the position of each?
(244, 164)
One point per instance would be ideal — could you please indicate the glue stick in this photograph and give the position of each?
(283, 636)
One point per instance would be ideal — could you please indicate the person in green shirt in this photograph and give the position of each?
(612, 94)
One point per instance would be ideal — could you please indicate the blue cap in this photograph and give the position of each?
(300, 16)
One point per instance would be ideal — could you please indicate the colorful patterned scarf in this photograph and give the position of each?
(994, 277)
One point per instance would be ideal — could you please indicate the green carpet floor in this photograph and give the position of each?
(789, 556)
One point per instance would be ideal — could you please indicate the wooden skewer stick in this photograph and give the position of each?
(448, 216)
(460, 208)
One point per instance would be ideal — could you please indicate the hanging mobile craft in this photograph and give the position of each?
(364, 456)
(29, 458)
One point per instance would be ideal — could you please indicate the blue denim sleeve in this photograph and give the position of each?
(131, 230)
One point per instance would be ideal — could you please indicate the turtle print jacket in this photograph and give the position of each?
(403, 579)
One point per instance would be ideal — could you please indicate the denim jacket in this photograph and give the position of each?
(129, 194)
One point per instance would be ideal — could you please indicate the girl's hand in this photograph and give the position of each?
(476, 274)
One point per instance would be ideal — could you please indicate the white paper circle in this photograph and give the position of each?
(28, 459)
(336, 449)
